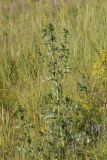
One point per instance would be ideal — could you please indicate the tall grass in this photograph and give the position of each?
(23, 71)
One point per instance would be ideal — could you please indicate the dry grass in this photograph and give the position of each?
(22, 73)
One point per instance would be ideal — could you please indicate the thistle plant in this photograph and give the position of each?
(57, 55)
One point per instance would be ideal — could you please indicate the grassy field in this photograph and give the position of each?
(38, 120)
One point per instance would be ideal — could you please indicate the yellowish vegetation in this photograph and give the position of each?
(23, 74)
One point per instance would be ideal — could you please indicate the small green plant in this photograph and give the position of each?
(56, 118)
(26, 137)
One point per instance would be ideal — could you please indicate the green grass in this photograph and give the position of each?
(22, 73)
